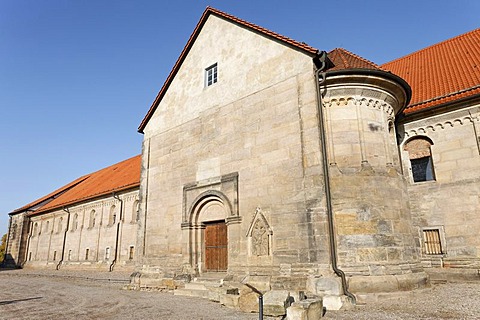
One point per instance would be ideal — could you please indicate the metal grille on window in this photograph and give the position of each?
(432, 241)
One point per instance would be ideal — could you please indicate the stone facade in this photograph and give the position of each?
(450, 201)
(81, 236)
(246, 151)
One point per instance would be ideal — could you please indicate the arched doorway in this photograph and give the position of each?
(208, 232)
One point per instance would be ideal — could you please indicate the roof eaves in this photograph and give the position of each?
(51, 195)
(90, 197)
(252, 27)
(444, 96)
(442, 102)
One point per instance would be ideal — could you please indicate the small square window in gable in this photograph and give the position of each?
(211, 75)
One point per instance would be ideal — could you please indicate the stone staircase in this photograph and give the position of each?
(213, 287)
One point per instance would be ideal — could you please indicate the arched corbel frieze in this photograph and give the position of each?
(438, 126)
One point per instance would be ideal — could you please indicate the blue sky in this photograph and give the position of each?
(77, 77)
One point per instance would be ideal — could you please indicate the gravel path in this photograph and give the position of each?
(28, 294)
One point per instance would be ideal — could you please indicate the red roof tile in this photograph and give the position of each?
(442, 73)
(121, 176)
(250, 26)
(344, 59)
(50, 196)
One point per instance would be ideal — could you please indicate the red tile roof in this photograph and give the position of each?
(442, 73)
(344, 59)
(300, 46)
(118, 177)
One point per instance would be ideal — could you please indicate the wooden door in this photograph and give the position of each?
(216, 246)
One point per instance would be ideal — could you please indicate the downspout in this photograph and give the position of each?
(320, 78)
(115, 196)
(6, 241)
(64, 237)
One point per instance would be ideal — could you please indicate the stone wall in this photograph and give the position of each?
(84, 235)
(450, 202)
(258, 123)
(17, 239)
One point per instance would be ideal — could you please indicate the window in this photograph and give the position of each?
(131, 252)
(35, 229)
(30, 256)
(211, 75)
(107, 253)
(60, 224)
(92, 219)
(69, 255)
(421, 161)
(86, 253)
(135, 211)
(54, 255)
(74, 222)
(432, 241)
(47, 226)
(113, 216)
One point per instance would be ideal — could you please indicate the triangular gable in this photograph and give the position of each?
(300, 46)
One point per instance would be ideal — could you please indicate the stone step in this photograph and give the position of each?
(196, 286)
(192, 293)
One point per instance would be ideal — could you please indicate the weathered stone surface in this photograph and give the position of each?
(309, 309)
(274, 302)
(328, 285)
(248, 301)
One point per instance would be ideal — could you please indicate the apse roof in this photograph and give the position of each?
(344, 59)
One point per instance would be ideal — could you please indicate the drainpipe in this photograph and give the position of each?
(118, 231)
(64, 238)
(320, 78)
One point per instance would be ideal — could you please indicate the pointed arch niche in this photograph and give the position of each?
(259, 236)
(210, 206)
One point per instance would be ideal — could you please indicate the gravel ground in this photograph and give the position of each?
(28, 294)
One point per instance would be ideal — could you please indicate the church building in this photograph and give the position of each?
(270, 165)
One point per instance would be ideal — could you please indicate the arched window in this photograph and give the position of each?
(47, 226)
(75, 222)
(35, 229)
(60, 227)
(420, 155)
(135, 211)
(113, 216)
(93, 216)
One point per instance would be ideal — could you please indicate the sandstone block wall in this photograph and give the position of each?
(80, 235)
(259, 122)
(451, 201)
